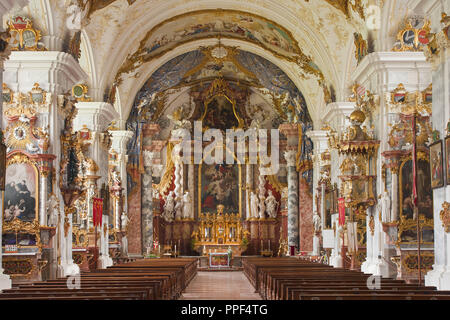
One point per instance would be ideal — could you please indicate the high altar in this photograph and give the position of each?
(217, 232)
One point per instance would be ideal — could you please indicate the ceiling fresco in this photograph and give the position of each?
(218, 23)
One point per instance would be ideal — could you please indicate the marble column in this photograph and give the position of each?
(104, 260)
(120, 139)
(191, 185)
(394, 195)
(293, 234)
(248, 189)
(290, 131)
(5, 280)
(44, 169)
(149, 132)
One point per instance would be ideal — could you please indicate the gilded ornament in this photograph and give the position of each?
(410, 261)
(361, 48)
(80, 92)
(23, 36)
(66, 226)
(18, 267)
(413, 38)
(445, 216)
(372, 225)
(18, 226)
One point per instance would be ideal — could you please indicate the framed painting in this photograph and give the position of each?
(436, 165)
(424, 192)
(21, 190)
(447, 158)
(217, 186)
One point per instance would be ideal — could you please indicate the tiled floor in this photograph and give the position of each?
(220, 285)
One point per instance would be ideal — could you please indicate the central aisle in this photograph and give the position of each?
(220, 285)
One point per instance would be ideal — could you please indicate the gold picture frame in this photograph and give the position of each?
(19, 158)
(219, 88)
(398, 95)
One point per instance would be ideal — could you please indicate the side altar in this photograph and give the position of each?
(218, 232)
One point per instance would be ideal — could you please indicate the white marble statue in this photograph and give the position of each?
(271, 205)
(125, 220)
(178, 208)
(254, 204)
(262, 192)
(385, 206)
(52, 210)
(262, 208)
(169, 207)
(316, 222)
(187, 206)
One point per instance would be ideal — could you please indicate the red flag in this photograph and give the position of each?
(341, 208)
(414, 195)
(97, 211)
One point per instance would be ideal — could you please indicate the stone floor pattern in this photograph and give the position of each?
(220, 285)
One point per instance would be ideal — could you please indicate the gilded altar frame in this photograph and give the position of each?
(405, 224)
(199, 196)
(20, 158)
(219, 88)
(17, 225)
(79, 237)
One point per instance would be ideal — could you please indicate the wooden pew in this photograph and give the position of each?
(291, 278)
(138, 280)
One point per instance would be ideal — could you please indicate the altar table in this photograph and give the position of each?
(219, 259)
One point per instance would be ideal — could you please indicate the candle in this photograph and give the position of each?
(262, 246)
(269, 245)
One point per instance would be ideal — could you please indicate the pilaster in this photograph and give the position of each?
(381, 73)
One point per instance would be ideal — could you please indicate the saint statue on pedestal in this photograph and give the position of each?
(271, 205)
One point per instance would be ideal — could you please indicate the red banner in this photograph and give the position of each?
(97, 211)
(341, 208)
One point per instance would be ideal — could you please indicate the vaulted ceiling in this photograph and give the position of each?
(125, 41)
